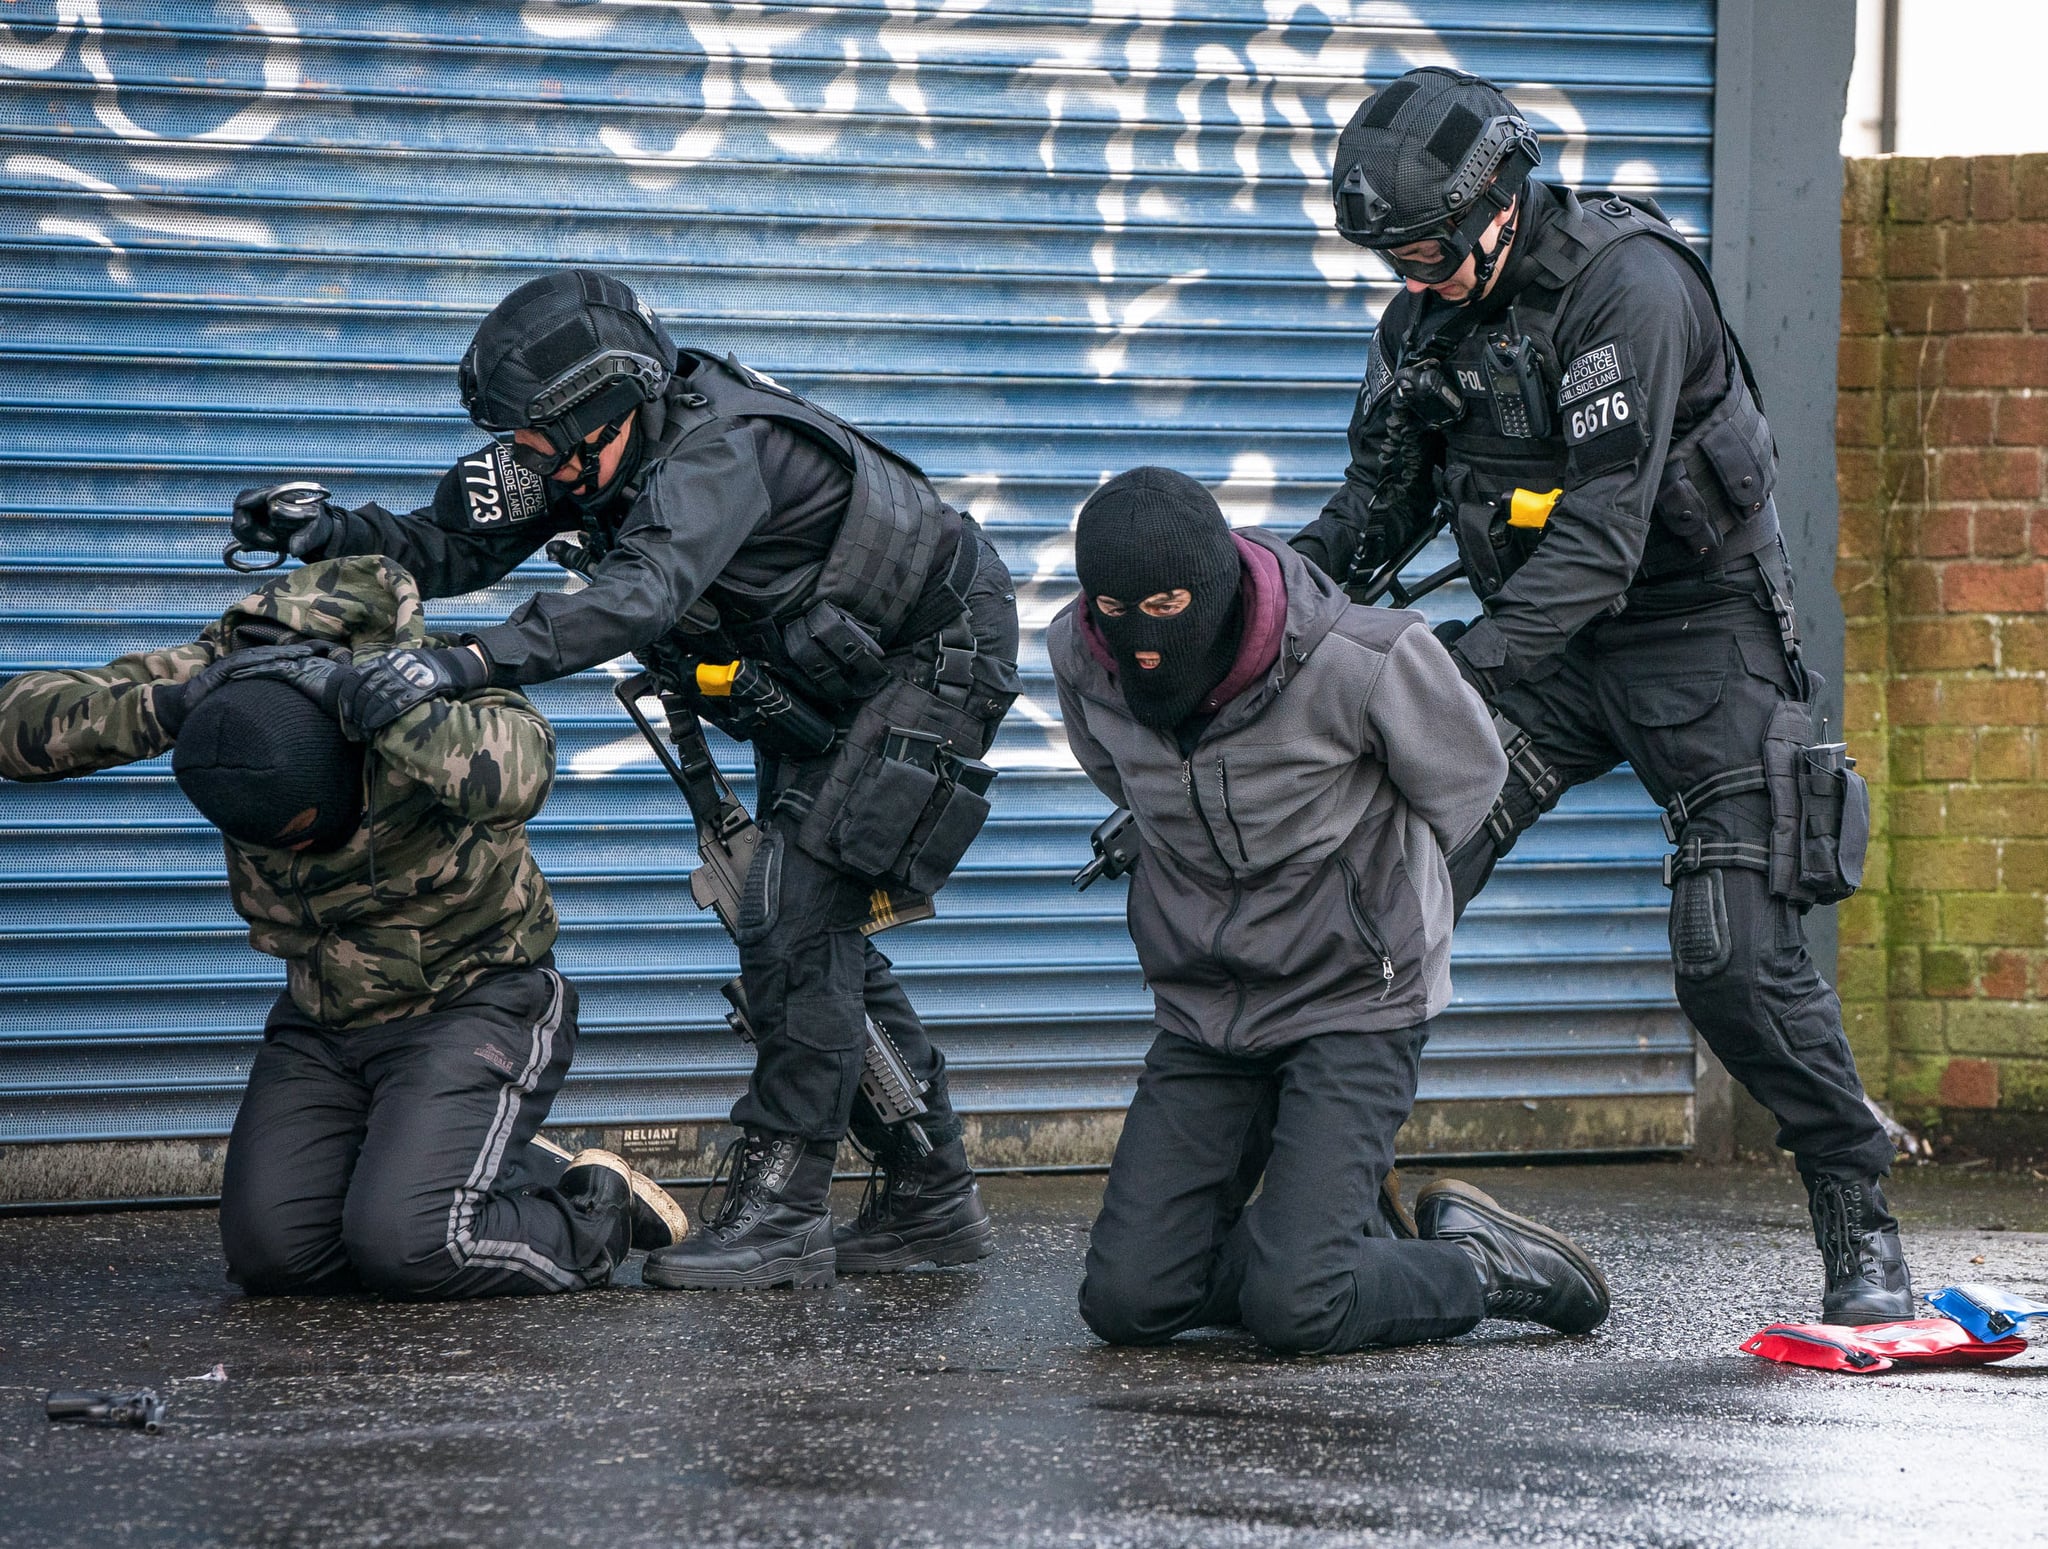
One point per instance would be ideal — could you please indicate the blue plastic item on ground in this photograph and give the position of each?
(1989, 1312)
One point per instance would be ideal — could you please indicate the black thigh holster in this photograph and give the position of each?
(906, 792)
(1820, 815)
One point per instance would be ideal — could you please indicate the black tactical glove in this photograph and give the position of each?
(173, 702)
(1375, 547)
(1449, 630)
(377, 693)
(320, 676)
(295, 518)
(1312, 543)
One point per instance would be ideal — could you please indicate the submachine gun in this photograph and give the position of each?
(1423, 403)
(727, 837)
(753, 704)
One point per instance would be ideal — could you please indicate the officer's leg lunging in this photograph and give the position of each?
(1704, 697)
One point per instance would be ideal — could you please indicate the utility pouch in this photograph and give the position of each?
(903, 798)
(1820, 811)
(948, 826)
(1744, 461)
(883, 806)
(1479, 530)
(836, 655)
(1684, 511)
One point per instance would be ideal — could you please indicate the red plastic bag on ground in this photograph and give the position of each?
(1877, 1347)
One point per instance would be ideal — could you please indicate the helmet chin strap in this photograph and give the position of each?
(1484, 263)
(588, 457)
(590, 487)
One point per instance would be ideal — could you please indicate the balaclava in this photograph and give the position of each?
(268, 767)
(1153, 530)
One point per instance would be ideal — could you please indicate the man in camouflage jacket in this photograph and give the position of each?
(385, 1138)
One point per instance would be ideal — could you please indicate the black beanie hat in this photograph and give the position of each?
(268, 767)
(1154, 530)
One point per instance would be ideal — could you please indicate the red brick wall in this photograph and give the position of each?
(1943, 572)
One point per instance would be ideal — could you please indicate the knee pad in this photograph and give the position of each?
(1702, 943)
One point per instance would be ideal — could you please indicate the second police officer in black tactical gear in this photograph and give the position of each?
(1557, 383)
(721, 516)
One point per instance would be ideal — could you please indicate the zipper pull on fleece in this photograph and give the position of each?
(1386, 977)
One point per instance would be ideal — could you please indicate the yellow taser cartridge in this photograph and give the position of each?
(714, 679)
(1526, 508)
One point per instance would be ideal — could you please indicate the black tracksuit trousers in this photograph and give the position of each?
(1681, 685)
(1303, 1266)
(395, 1158)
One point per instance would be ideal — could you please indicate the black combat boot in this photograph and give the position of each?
(654, 1219)
(1860, 1253)
(917, 1210)
(772, 1225)
(1530, 1273)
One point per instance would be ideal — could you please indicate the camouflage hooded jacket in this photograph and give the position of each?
(434, 890)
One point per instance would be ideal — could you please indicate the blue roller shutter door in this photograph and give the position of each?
(1030, 247)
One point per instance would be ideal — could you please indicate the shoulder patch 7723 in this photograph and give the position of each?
(499, 492)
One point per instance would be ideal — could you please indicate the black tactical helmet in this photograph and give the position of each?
(1434, 155)
(564, 354)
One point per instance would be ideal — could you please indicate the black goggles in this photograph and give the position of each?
(552, 459)
(533, 459)
(1434, 261)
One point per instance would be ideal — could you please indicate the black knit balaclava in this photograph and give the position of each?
(268, 767)
(1153, 530)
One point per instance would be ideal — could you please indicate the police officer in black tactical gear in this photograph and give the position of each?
(1556, 383)
(721, 517)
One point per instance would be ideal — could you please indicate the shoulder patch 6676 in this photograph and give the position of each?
(500, 492)
(1598, 395)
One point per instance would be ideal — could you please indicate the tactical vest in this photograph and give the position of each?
(882, 559)
(1536, 423)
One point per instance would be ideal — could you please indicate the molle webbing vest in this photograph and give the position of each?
(882, 558)
(1713, 496)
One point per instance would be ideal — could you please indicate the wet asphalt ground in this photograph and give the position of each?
(971, 1407)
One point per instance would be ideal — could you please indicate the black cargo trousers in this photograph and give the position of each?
(395, 1158)
(1681, 686)
(811, 977)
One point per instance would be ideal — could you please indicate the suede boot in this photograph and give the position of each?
(656, 1220)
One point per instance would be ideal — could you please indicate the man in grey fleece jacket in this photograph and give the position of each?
(1298, 768)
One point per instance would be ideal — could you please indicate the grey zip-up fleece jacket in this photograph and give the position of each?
(1291, 877)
